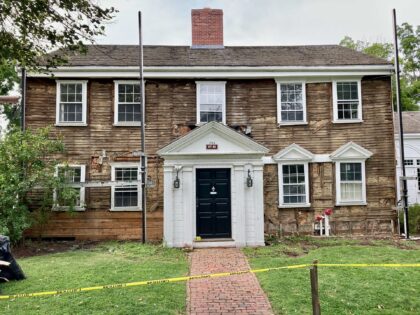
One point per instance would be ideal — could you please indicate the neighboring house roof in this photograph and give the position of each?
(252, 56)
(411, 122)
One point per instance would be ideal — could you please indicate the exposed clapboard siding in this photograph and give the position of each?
(171, 112)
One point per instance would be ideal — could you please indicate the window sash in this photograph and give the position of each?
(74, 174)
(128, 102)
(351, 183)
(71, 102)
(347, 100)
(291, 102)
(293, 184)
(126, 197)
(211, 101)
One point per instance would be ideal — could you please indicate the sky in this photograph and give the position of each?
(261, 22)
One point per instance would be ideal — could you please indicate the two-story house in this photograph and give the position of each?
(240, 140)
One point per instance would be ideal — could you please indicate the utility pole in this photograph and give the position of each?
(142, 136)
(401, 136)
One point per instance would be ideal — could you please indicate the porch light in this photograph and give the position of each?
(176, 181)
(249, 181)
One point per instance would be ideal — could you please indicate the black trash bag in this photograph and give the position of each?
(13, 271)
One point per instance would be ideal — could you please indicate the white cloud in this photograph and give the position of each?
(262, 22)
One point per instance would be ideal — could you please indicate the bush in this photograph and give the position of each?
(25, 166)
(413, 219)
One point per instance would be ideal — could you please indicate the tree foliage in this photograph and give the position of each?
(409, 56)
(32, 28)
(27, 172)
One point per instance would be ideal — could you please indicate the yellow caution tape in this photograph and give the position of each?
(204, 276)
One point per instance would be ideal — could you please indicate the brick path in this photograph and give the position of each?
(238, 294)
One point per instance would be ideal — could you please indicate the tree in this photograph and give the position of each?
(32, 28)
(21, 187)
(409, 59)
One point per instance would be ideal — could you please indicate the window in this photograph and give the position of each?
(74, 174)
(347, 101)
(418, 178)
(127, 99)
(350, 183)
(71, 103)
(291, 103)
(125, 195)
(294, 181)
(408, 162)
(418, 162)
(211, 101)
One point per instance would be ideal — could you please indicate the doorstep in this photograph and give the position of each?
(214, 242)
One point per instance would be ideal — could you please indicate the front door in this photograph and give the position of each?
(213, 203)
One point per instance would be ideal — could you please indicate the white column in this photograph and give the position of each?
(168, 211)
(258, 205)
(188, 202)
(238, 206)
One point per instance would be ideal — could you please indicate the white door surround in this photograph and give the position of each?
(213, 145)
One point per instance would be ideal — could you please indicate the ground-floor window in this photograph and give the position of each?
(350, 182)
(74, 175)
(126, 191)
(294, 184)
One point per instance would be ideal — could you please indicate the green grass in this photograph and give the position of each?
(108, 263)
(342, 291)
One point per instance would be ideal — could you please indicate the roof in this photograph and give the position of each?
(411, 122)
(252, 56)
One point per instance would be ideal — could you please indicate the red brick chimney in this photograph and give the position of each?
(207, 28)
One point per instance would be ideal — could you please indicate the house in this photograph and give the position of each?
(241, 141)
(411, 125)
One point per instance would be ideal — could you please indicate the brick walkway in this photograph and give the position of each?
(238, 294)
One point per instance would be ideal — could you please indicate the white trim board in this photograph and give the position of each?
(217, 71)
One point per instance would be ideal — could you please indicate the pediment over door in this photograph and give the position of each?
(213, 138)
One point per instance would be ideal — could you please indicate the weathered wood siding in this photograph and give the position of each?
(171, 112)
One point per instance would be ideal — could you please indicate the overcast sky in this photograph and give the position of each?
(262, 22)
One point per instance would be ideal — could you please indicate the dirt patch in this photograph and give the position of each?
(30, 248)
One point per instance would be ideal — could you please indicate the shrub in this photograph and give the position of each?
(26, 165)
(413, 219)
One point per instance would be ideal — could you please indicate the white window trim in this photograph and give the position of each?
(82, 206)
(123, 123)
(306, 204)
(84, 104)
(139, 186)
(335, 104)
(287, 123)
(362, 202)
(198, 84)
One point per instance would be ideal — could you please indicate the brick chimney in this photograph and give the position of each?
(207, 28)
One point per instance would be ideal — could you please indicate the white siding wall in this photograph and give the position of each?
(412, 152)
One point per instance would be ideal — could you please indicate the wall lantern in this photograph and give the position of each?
(177, 182)
(249, 181)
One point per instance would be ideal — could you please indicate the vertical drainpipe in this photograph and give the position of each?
(23, 99)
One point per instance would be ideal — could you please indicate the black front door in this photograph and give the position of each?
(213, 203)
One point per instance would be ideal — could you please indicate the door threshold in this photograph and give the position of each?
(214, 242)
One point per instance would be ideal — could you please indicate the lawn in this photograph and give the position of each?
(107, 263)
(342, 291)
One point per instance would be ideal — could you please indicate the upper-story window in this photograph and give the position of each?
(71, 103)
(291, 103)
(127, 109)
(211, 101)
(347, 101)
